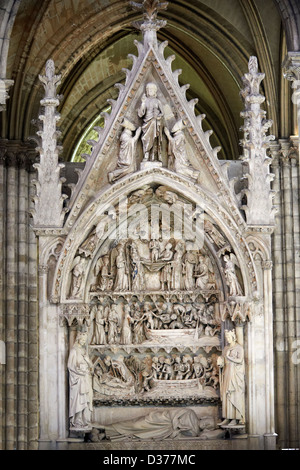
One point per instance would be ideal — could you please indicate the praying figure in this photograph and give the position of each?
(126, 161)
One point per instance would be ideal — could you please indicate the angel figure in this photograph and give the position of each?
(89, 246)
(178, 160)
(213, 235)
(230, 274)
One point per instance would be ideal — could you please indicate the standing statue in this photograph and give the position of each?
(80, 380)
(113, 325)
(138, 330)
(178, 160)
(137, 274)
(177, 282)
(188, 270)
(166, 274)
(230, 274)
(78, 270)
(126, 161)
(154, 247)
(126, 330)
(232, 381)
(99, 314)
(152, 112)
(121, 281)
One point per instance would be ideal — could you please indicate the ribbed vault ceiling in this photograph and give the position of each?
(90, 40)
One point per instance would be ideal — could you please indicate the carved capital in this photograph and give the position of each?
(5, 85)
(43, 269)
(267, 264)
(274, 152)
(291, 67)
(288, 152)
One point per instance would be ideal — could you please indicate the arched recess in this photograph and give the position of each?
(290, 14)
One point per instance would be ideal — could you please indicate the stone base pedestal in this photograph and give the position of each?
(147, 165)
(270, 441)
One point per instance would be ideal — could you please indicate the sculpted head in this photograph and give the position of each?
(81, 338)
(151, 89)
(230, 336)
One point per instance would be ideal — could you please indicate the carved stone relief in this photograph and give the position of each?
(150, 282)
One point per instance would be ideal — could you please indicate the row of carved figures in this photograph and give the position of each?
(171, 269)
(183, 368)
(131, 325)
(176, 268)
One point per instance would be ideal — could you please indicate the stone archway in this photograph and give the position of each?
(140, 311)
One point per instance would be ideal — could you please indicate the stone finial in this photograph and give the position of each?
(255, 144)
(151, 24)
(150, 7)
(48, 202)
(50, 81)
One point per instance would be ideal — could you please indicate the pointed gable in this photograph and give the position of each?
(150, 66)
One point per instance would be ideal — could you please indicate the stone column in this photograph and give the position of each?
(289, 269)
(292, 317)
(2, 294)
(53, 355)
(278, 290)
(18, 300)
(11, 304)
(22, 280)
(286, 291)
(270, 436)
(260, 370)
(291, 68)
(33, 358)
